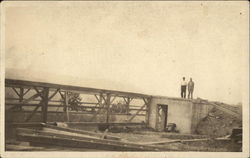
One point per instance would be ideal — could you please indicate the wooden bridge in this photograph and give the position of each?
(38, 97)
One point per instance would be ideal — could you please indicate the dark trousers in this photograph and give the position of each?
(190, 94)
(183, 91)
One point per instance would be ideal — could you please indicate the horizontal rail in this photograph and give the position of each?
(57, 105)
(58, 101)
(80, 112)
(23, 83)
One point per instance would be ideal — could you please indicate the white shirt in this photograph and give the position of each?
(183, 83)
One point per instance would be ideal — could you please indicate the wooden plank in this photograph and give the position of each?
(11, 147)
(76, 141)
(185, 141)
(108, 136)
(25, 124)
(103, 123)
(39, 124)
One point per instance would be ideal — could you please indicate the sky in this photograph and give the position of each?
(145, 47)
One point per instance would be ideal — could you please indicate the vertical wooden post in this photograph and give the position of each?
(100, 101)
(66, 104)
(108, 107)
(45, 100)
(128, 102)
(148, 111)
(21, 94)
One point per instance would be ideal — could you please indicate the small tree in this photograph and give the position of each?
(74, 100)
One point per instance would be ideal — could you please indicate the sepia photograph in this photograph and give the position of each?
(125, 79)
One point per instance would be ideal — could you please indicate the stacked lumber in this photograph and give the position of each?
(12, 147)
(67, 137)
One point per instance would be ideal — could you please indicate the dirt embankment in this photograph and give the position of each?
(218, 123)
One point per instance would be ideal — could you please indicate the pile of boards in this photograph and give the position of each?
(50, 135)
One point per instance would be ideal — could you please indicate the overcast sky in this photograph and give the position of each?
(142, 47)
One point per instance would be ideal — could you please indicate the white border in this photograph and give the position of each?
(245, 100)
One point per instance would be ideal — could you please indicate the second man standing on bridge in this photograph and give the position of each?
(190, 88)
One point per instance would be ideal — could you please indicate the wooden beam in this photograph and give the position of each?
(35, 110)
(108, 107)
(62, 95)
(128, 102)
(76, 113)
(114, 97)
(49, 105)
(186, 141)
(40, 92)
(21, 97)
(100, 105)
(66, 104)
(16, 91)
(26, 91)
(27, 100)
(11, 147)
(148, 110)
(133, 116)
(15, 83)
(124, 98)
(24, 125)
(45, 104)
(33, 113)
(98, 100)
(56, 101)
(39, 124)
(54, 94)
(81, 132)
(146, 100)
(31, 98)
(83, 141)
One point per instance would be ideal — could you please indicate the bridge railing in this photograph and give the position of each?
(91, 103)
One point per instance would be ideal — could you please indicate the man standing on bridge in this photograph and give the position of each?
(183, 88)
(190, 88)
